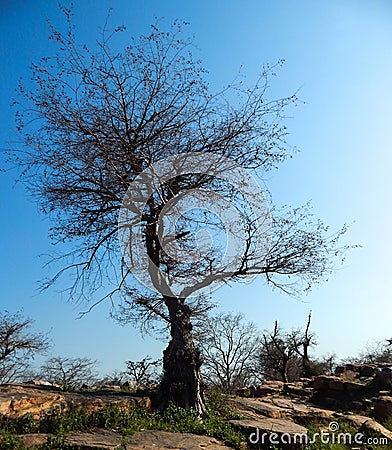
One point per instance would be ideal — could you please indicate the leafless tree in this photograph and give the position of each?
(302, 342)
(18, 346)
(99, 117)
(228, 345)
(285, 355)
(115, 378)
(144, 372)
(277, 359)
(327, 364)
(379, 352)
(69, 373)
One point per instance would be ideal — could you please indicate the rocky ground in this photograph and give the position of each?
(357, 395)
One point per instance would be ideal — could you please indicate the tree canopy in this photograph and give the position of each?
(98, 120)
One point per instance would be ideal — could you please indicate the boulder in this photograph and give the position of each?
(298, 389)
(351, 371)
(267, 431)
(383, 407)
(269, 388)
(333, 383)
(368, 370)
(383, 377)
(131, 385)
(244, 392)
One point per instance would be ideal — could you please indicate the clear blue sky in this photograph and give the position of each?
(339, 53)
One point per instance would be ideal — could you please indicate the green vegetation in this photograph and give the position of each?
(126, 421)
(174, 419)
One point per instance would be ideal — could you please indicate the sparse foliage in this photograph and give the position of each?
(18, 346)
(97, 118)
(228, 345)
(69, 373)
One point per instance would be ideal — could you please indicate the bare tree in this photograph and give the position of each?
(97, 120)
(18, 346)
(302, 342)
(144, 372)
(115, 378)
(277, 359)
(228, 345)
(69, 373)
(379, 352)
(285, 355)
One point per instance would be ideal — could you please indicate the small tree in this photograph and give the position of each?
(144, 372)
(302, 342)
(228, 345)
(18, 346)
(115, 378)
(277, 358)
(285, 355)
(379, 352)
(69, 373)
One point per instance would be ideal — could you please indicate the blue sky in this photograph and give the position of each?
(339, 55)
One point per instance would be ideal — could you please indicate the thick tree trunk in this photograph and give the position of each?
(181, 382)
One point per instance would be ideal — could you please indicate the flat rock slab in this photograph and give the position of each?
(277, 408)
(251, 407)
(34, 440)
(16, 400)
(99, 440)
(268, 425)
(162, 440)
(110, 440)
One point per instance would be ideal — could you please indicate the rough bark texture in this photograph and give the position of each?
(181, 382)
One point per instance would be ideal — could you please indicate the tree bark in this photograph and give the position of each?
(181, 382)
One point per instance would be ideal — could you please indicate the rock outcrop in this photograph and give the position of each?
(16, 400)
(354, 395)
(383, 407)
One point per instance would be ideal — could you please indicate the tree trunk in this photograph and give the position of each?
(181, 382)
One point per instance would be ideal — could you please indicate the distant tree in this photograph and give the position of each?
(228, 345)
(69, 373)
(144, 372)
(379, 352)
(285, 355)
(115, 378)
(302, 341)
(95, 119)
(325, 365)
(19, 344)
(277, 359)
